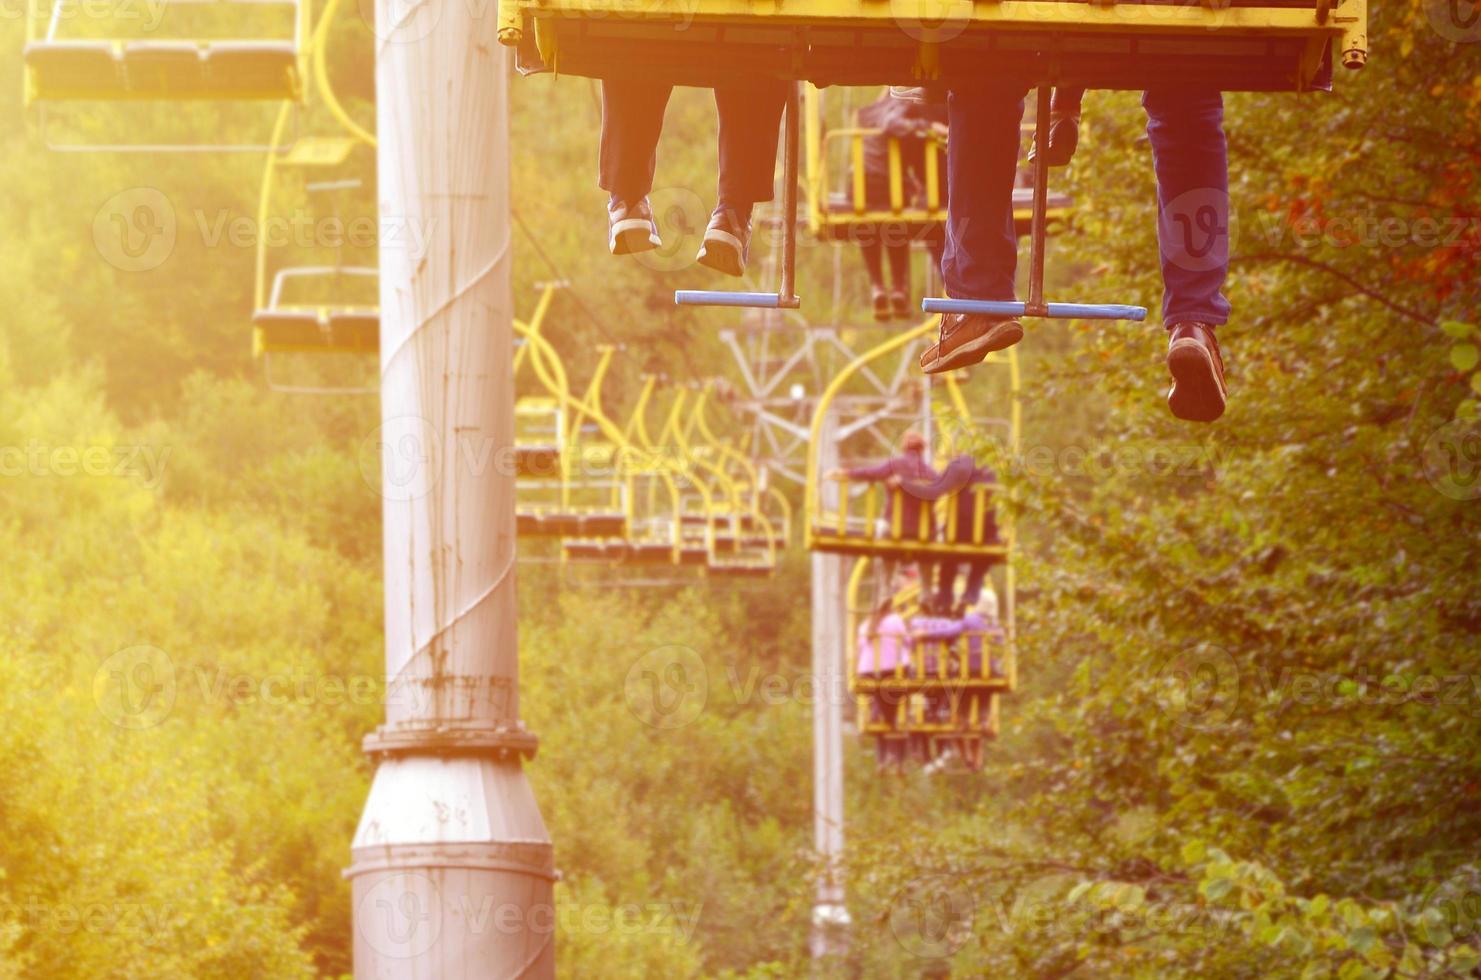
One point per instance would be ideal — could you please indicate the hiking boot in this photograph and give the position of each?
(881, 301)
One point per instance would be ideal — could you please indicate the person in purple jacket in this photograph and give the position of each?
(931, 634)
(967, 644)
(915, 525)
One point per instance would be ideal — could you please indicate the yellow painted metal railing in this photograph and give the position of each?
(935, 687)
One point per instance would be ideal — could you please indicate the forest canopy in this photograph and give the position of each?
(1246, 742)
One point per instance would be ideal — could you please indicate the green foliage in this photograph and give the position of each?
(1246, 745)
(1261, 633)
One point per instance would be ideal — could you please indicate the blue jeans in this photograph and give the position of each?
(1189, 155)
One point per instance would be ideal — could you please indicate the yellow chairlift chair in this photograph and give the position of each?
(574, 502)
(217, 51)
(1258, 45)
(949, 690)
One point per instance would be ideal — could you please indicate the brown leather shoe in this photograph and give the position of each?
(1198, 392)
(967, 338)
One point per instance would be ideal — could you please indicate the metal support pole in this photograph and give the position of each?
(790, 140)
(452, 874)
(1038, 232)
(785, 298)
(830, 918)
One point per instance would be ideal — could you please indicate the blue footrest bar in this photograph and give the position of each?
(1057, 311)
(704, 297)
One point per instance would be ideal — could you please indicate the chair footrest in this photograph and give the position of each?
(1055, 311)
(755, 301)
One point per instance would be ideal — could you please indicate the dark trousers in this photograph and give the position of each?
(895, 240)
(632, 119)
(884, 708)
(1189, 154)
(946, 581)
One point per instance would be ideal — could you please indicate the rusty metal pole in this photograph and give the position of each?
(452, 870)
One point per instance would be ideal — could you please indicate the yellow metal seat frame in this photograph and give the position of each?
(971, 700)
(843, 528)
(1237, 45)
(604, 526)
(62, 70)
(849, 217)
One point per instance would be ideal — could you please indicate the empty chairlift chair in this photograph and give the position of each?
(316, 300)
(241, 51)
(585, 497)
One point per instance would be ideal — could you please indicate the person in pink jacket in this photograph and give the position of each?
(884, 652)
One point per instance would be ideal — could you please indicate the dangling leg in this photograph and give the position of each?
(981, 248)
(632, 120)
(1064, 126)
(750, 116)
(1190, 154)
(899, 252)
(873, 254)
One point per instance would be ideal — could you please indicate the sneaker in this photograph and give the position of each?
(1198, 392)
(727, 240)
(881, 302)
(630, 227)
(899, 306)
(967, 338)
(1064, 137)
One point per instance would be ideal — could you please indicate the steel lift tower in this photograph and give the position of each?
(452, 867)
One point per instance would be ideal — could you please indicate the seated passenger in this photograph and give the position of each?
(930, 636)
(910, 124)
(910, 465)
(963, 641)
(632, 119)
(978, 623)
(1190, 159)
(960, 477)
(884, 652)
